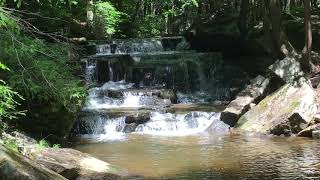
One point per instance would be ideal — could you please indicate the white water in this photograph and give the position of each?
(161, 124)
(113, 130)
(168, 124)
(90, 70)
(129, 47)
(98, 98)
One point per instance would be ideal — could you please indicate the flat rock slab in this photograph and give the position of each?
(287, 111)
(252, 93)
(74, 164)
(15, 166)
(118, 112)
(182, 108)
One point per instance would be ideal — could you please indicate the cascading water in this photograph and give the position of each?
(168, 124)
(162, 120)
(90, 71)
(155, 77)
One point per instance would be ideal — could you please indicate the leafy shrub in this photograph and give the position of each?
(43, 144)
(151, 26)
(108, 17)
(7, 100)
(42, 72)
(11, 144)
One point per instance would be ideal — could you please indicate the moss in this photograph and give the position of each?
(293, 106)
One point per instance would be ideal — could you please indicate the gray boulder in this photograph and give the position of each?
(138, 118)
(287, 69)
(244, 100)
(129, 128)
(287, 111)
(15, 166)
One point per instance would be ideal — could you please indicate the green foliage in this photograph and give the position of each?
(42, 144)
(56, 146)
(107, 16)
(6, 21)
(41, 72)
(150, 26)
(7, 99)
(11, 144)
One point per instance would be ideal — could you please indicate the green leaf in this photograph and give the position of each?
(4, 67)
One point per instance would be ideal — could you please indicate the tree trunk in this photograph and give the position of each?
(288, 6)
(90, 12)
(242, 21)
(306, 52)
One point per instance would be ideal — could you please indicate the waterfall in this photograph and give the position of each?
(90, 71)
(140, 80)
(132, 46)
(113, 129)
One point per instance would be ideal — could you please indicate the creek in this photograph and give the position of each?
(154, 110)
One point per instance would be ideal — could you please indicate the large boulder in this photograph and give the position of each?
(74, 164)
(251, 94)
(15, 166)
(287, 69)
(288, 110)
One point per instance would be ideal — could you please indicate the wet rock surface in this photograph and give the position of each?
(73, 164)
(15, 166)
(243, 102)
(307, 132)
(129, 128)
(138, 118)
(287, 111)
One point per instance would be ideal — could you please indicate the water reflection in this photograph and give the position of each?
(212, 157)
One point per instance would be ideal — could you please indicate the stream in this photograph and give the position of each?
(154, 110)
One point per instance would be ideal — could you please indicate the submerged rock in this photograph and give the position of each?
(316, 134)
(16, 166)
(287, 69)
(307, 132)
(129, 128)
(315, 81)
(138, 118)
(288, 110)
(244, 100)
(161, 93)
(73, 164)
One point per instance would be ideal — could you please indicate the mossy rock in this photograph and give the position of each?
(286, 111)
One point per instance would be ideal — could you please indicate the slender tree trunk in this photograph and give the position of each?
(288, 6)
(242, 21)
(90, 12)
(306, 52)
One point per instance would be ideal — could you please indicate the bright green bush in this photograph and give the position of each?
(108, 17)
(42, 72)
(8, 100)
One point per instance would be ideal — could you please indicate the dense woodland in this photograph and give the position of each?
(44, 50)
(40, 69)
